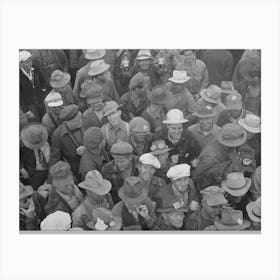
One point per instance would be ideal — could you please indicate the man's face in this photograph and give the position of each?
(175, 218)
(146, 172)
(132, 206)
(96, 103)
(163, 158)
(181, 184)
(92, 195)
(250, 135)
(235, 113)
(189, 56)
(234, 199)
(206, 124)
(56, 110)
(103, 77)
(123, 162)
(212, 211)
(65, 186)
(175, 130)
(144, 64)
(138, 137)
(27, 65)
(177, 88)
(114, 117)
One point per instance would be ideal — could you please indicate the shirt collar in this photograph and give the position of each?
(27, 74)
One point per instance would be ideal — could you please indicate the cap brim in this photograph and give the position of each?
(166, 210)
(137, 200)
(55, 104)
(112, 110)
(143, 57)
(242, 123)
(249, 208)
(106, 187)
(216, 201)
(221, 226)
(160, 152)
(62, 83)
(237, 192)
(175, 122)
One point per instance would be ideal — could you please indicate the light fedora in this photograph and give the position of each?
(254, 210)
(232, 135)
(179, 77)
(110, 221)
(231, 220)
(236, 184)
(94, 54)
(143, 54)
(34, 135)
(24, 55)
(212, 94)
(59, 79)
(94, 182)
(251, 123)
(174, 116)
(98, 67)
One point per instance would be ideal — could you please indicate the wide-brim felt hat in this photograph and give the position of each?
(98, 67)
(251, 123)
(159, 95)
(25, 191)
(245, 224)
(256, 217)
(93, 54)
(131, 200)
(179, 77)
(34, 135)
(205, 110)
(116, 226)
(232, 135)
(235, 191)
(106, 187)
(59, 79)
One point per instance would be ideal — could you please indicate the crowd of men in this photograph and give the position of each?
(140, 140)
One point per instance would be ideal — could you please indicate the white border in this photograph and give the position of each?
(196, 24)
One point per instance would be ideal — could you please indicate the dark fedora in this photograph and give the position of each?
(204, 109)
(159, 95)
(232, 135)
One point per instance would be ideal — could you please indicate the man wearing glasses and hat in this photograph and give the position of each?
(227, 153)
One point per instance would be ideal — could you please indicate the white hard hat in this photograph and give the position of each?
(54, 99)
(174, 116)
(56, 221)
(150, 159)
(179, 171)
(24, 55)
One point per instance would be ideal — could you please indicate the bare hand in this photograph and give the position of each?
(195, 162)
(194, 205)
(143, 211)
(81, 150)
(24, 173)
(30, 212)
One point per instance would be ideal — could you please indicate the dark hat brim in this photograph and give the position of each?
(232, 143)
(161, 101)
(208, 99)
(221, 226)
(136, 200)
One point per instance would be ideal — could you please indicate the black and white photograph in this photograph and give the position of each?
(140, 140)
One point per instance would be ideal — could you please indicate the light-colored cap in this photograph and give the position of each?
(149, 159)
(54, 99)
(179, 171)
(24, 55)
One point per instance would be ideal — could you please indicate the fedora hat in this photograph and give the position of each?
(174, 116)
(59, 79)
(25, 191)
(54, 99)
(231, 220)
(204, 109)
(170, 203)
(159, 147)
(212, 94)
(133, 190)
(95, 54)
(179, 77)
(159, 95)
(139, 125)
(110, 107)
(98, 67)
(214, 196)
(93, 91)
(236, 184)
(254, 210)
(94, 182)
(251, 123)
(110, 221)
(34, 135)
(232, 135)
(143, 54)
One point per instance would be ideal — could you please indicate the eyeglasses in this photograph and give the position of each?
(160, 146)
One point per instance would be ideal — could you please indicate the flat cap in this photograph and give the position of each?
(24, 55)
(179, 171)
(56, 221)
(139, 125)
(68, 112)
(60, 170)
(150, 159)
(121, 148)
(214, 196)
